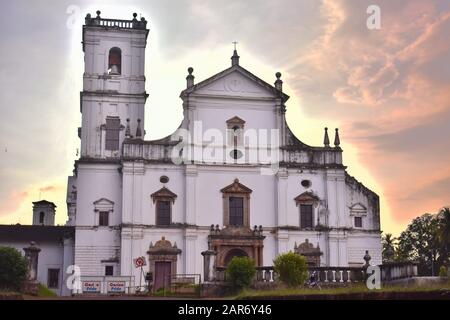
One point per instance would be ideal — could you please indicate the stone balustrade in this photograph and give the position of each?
(323, 274)
(398, 270)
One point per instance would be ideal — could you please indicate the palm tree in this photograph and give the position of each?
(388, 242)
(444, 233)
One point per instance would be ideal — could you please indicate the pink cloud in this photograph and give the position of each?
(392, 100)
(13, 202)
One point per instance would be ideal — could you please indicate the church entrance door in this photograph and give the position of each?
(162, 274)
(234, 253)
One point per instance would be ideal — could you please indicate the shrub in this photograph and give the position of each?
(240, 272)
(291, 269)
(443, 272)
(13, 269)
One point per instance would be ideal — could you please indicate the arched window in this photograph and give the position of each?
(115, 61)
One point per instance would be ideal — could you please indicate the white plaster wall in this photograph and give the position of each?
(294, 188)
(53, 255)
(211, 180)
(359, 242)
(96, 181)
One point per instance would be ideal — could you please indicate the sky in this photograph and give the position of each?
(386, 89)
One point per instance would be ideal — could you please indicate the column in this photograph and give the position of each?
(190, 252)
(32, 255)
(282, 176)
(209, 259)
(282, 241)
(191, 195)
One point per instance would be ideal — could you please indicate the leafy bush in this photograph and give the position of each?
(291, 268)
(443, 272)
(13, 269)
(240, 272)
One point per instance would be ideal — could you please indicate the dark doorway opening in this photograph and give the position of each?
(234, 253)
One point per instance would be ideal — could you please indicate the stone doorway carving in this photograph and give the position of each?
(236, 252)
(236, 241)
(163, 262)
(311, 253)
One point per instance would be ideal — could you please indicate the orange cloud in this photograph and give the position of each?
(13, 202)
(48, 188)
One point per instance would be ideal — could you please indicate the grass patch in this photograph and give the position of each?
(45, 292)
(353, 288)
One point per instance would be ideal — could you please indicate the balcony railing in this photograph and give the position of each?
(116, 23)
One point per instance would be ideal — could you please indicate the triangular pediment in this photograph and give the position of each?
(358, 207)
(103, 201)
(306, 197)
(163, 194)
(236, 187)
(235, 81)
(235, 121)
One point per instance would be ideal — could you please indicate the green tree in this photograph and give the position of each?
(13, 269)
(240, 272)
(444, 234)
(389, 245)
(291, 268)
(419, 242)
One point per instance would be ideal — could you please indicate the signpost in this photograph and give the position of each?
(140, 262)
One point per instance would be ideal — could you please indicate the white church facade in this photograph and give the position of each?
(233, 178)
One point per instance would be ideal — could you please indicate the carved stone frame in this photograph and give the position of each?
(163, 251)
(236, 189)
(163, 194)
(308, 198)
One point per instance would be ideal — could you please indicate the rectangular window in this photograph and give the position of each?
(306, 216)
(103, 218)
(163, 213)
(112, 133)
(236, 209)
(358, 222)
(109, 270)
(53, 278)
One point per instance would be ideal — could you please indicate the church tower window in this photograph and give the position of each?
(115, 61)
(235, 127)
(112, 133)
(41, 217)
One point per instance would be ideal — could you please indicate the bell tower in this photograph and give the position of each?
(113, 98)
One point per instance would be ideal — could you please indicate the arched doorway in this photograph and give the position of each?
(236, 252)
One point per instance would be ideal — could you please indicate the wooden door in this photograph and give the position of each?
(162, 274)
